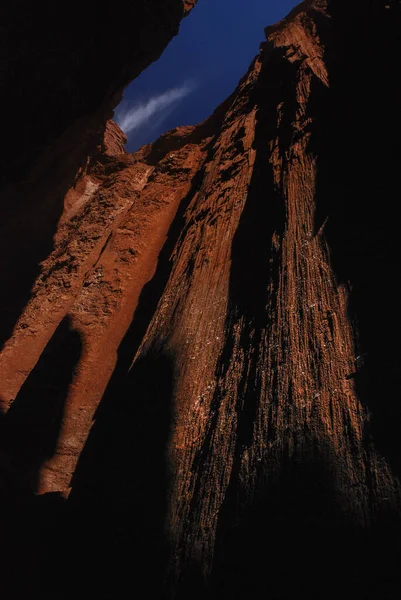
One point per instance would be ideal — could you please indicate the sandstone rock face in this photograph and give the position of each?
(69, 63)
(63, 70)
(201, 394)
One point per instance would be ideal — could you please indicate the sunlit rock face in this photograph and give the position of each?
(201, 391)
(63, 71)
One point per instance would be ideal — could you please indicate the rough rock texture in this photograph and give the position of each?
(63, 70)
(201, 396)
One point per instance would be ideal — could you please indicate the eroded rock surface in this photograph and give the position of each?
(202, 391)
(63, 71)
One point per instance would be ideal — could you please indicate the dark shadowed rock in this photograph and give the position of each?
(217, 323)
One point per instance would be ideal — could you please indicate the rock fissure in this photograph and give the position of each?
(206, 368)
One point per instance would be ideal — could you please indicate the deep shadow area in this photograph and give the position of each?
(29, 214)
(31, 426)
(254, 266)
(256, 246)
(356, 136)
(25, 242)
(294, 541)
(117, 508)
(28, 436)
(63, 63)
(113, 541)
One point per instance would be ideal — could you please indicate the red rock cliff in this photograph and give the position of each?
(63, 70)
(201, 394)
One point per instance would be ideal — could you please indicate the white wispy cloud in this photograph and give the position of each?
(154, 110)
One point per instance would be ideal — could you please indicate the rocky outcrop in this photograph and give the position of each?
(63, 71)
(201, 395)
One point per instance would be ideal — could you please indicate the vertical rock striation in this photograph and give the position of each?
(63, 71)
(209, 355)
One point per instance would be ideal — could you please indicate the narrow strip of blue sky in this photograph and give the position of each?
(199, 68)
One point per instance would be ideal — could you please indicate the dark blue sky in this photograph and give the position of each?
(199, 68)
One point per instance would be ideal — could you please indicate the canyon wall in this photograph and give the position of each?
(200, 392)
(63, 71)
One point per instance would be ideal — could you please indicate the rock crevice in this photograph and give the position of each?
(225, 391)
